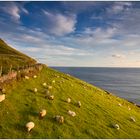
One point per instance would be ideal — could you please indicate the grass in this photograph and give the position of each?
(99, 110)
(11, 58)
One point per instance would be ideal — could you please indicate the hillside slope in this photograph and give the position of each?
(11, 58)
(95, 119)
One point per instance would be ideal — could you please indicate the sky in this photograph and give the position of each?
(86, 33)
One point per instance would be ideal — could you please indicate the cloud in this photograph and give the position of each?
(13, 10)
(59, 24)
(118, 56)
(118, 7)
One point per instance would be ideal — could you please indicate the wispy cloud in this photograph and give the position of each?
(13, 10)
(60, 24)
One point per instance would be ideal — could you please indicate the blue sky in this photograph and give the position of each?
(87, 33)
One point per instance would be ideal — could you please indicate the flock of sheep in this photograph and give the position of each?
(43, 112)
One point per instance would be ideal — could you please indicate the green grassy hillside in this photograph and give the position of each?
(11, 58)
(95, 119)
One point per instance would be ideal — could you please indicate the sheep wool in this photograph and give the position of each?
(116, 126)
(59, 119)
(68, 100)
(30, 126)
(27, 77)
(35, 90)
(44, 84)
(42, 113)
(2, 97)
(79, 104)
(132, 119)
(51, 97)
(53, 81)
(72, 113)
(49, 87)
(35, 76)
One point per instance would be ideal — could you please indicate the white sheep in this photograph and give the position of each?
(71, 113)
(119, 104)
(79, 104)
(129, 108)
(2, 97)
(132, 119)
(27, 77)
(59, 119)
(42, 113)
(116, 126)
(44, 84)
(30, 126)
(35, 90)
(34, 76)
(49, 87)
(68, 100)
(53, 81)
(58, 76)
(51, 97)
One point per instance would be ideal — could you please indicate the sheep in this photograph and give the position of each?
(51, 97)
(116, 126)
(2, 97)
(49, 87)
(27, 77)
(129, 108)
(68, 100)
(71, 113)
(79, 104)
(119, 104)
(42, 113)
(59, 119)
(53, 81)
(3, 90)
(44, 84)
(30, 126)
(35, 90)
(34, 76)
(132, 119)
(57, 76)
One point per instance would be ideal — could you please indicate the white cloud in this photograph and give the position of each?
(118, 7)
(13, 10)
(59, 24)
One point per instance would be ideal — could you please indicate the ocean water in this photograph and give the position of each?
(123, 82)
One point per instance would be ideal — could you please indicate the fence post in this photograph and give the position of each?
(0, 71)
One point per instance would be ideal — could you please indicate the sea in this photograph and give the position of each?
(122, 82)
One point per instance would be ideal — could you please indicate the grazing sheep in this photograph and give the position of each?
(132, 119)
(2, 97)
(30, 126)
(42, 113)
(35, 76)
(44, 84)
(119, 104)
(68, 100)
(35, 90)
(51, 97)
(79, 104)
(58, 76)
(27, 77)
(71, 113)
(129, 108)
(116, 126)
(49, 87)
(53, 81)
(59, 119)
